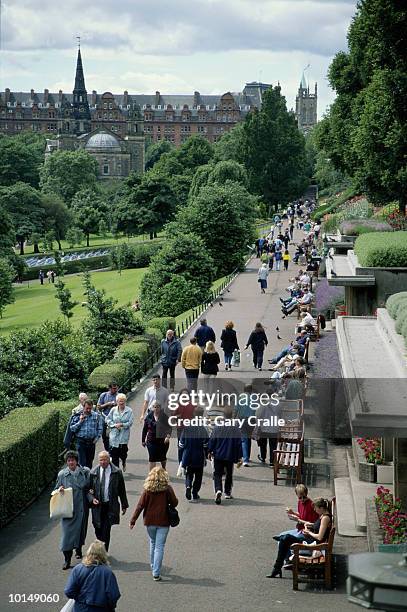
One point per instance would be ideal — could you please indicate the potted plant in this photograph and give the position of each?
(392, 520)
(369, 457)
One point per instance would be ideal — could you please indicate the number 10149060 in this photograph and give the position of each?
(33, 598)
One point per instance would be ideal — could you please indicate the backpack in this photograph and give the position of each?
(322, 321)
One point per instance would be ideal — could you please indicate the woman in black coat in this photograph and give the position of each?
(258, 341)
(156, 436)
(229, 343)
(210, 364)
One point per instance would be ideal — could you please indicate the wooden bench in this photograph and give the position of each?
(289, 452)
(314, 569)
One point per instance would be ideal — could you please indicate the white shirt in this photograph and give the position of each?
(308, 320)
(159, 395)
(305, 279)
(107, 480)
(263, 273)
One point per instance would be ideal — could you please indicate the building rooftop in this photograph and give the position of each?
(103, 140)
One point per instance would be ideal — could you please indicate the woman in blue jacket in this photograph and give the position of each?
(92, 583)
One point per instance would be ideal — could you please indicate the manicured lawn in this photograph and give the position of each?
(36, 304)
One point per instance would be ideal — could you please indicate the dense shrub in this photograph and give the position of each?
(155, 336)
(42, 364)
(137, 353)
(355, 227)
(332, 204)
(133, 255)
(163, 324)
(70, 267)
(64, 409)
(119, 370)
(328, 297)
(29, 447)
(381, 249)
(394, 302)
(401, 317)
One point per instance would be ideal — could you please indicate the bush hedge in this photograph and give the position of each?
(381, 249)
(401, 317)
(394, 302)
(137, 353)
(163, 324)
(119, 370)
(64, 409)
(29, 448)
(133, 256)
(155, 336)
(70, 267)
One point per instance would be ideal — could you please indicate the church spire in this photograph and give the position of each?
(79, 77)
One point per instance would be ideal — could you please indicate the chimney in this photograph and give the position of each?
(316, 89)
(46, 92)
(125, 98)
(197, 97)
(7, 95)
(157, 98)
(32, 94)
(60, 96)
(94, 97)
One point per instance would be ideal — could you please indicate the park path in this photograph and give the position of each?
(218, 557)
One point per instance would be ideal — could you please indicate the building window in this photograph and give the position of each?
(158, 128)
(148, 129)
(110, 105)
(202, 128)
(105, 169)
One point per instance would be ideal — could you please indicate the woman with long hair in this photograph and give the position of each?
(210, 364)
(154, 500)
(258, 341)
(93, 581)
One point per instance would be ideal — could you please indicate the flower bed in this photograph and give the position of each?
(372, 449)
(355, 227)
(391, 517)
(327, 298)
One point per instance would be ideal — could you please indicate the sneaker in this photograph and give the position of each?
(195, 497)
(260, 459)
(156, 578)
(226, 367)
(218, 498)
(188, 493)
(230, 496)
(246, 464)
(260, 369)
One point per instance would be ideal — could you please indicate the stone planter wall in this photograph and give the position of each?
(365, 471)
(374, 533)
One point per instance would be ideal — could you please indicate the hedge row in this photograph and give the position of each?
(29, 448)
(397, 307)
(381, 249)
(133, 358)
(70, 267)
(332, 204)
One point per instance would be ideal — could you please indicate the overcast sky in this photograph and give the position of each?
(173, 46)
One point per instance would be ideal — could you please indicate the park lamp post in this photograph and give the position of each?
(378, 581)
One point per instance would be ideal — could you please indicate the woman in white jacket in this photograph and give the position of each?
(118, 422)
(262, 275)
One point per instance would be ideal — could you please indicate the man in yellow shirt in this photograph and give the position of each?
(191, 362)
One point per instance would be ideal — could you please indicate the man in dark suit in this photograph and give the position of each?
(106, 488)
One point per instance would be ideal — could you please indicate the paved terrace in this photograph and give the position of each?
(218, 557)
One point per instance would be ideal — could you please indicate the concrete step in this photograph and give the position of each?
(360, 492)
(345, 511)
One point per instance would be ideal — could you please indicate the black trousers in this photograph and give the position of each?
(193, 479)
(103, 531)
(220, 466)
(105, 438)
(171, 368)
(258, 357)
(262, 442)
(119, 452)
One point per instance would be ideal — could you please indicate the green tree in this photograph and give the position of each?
(229, 147)
(88, 208)
(57, 216)
(24, 205)
(68, 172)
(64, 296)
(218, 173)
(179, 276)
(7, 275)
(155, 150)
(74, 236)
(7, 233)
(223, 216)
(21, 158)
(274, 151)
(102, 228)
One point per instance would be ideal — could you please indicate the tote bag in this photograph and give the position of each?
(69, 606)
(61, 504)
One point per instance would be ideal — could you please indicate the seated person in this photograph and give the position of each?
(289, 307)
(298, 252)
(294, 348)
(307, 321)
(296, 370)
(295, 386)
(305, 512)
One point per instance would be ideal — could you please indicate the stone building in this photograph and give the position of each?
(306, 106)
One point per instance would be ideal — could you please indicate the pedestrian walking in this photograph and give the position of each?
(171, 351)
(41, 276)
(193, 444)
(49, 276)
(286, 259)
(156, 436)
(105, 403)
(118, 423)
(93, 581)
(286, 238)
(272, 255)
(291, 228)
(107, 493)
(156, 393)
(258, 342)
(184, 410)
(265, 433)
(53, 277)
(225, 448)
(243, 411)
(228, 342)
(277, 258)
(154, 501)
(74, 529)
(87, 427)
(191, 362)
(203, 334)
(262, 275)
(210, 364)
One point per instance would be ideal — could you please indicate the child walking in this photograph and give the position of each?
(286, 259)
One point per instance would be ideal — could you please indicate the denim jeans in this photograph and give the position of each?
(228, 358)
(158, 536)
(246, 448)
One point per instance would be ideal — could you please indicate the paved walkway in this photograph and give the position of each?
(218, 557)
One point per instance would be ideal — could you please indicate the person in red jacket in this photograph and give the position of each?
(153, 502)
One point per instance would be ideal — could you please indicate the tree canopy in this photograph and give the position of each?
(67, 172)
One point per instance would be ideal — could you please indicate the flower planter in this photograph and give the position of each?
(385, 474)
(367, 471)
(392, 548)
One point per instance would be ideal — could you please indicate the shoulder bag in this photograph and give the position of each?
(173, 515)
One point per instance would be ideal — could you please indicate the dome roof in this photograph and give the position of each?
(103, 140)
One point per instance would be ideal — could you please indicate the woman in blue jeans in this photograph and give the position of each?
(153, 502)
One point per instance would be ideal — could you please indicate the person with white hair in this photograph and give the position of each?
(82, 399)
(118, 424)
(262, 275)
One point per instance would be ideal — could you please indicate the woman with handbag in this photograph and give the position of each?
(92, 586)
(74, 528)
(157, 502)
(228, 342)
